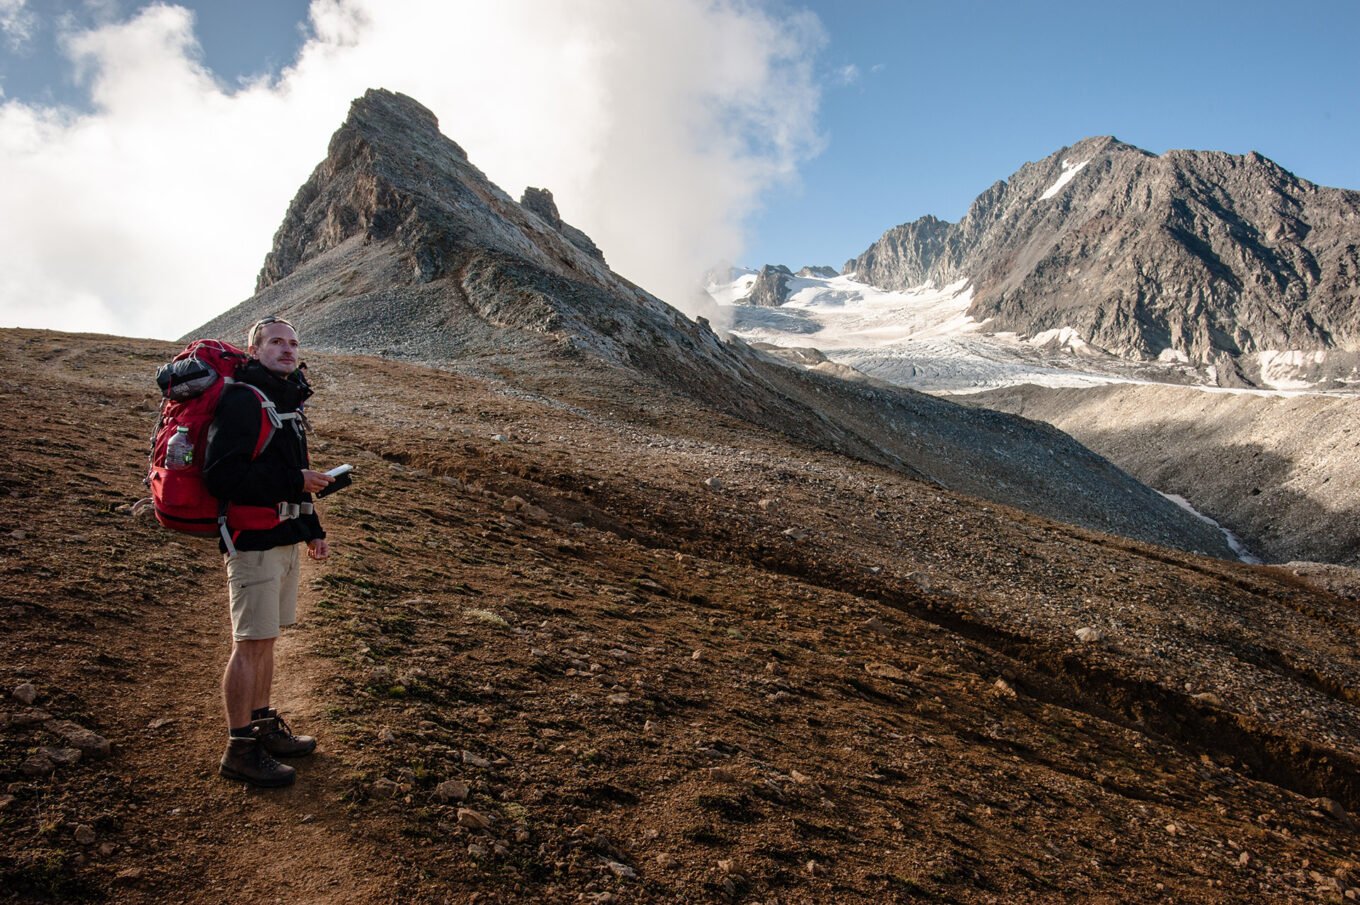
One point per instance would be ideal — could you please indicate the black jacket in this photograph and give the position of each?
(276, 476)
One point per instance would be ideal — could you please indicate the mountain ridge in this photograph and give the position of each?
(1202, 254)
(398, 246)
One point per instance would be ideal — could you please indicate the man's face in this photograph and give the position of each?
(276, 346)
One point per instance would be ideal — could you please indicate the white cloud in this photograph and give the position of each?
(657, 126)
(848, 74)
(17, 23)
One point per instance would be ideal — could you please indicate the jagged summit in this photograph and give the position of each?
(399, 246)
(1202, 254)
(390, 173)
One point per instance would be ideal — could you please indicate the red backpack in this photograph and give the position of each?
(192, 385)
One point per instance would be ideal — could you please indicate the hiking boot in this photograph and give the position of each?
(247, 760)
(279, 740)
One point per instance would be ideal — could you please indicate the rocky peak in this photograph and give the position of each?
(389, 174)
(540, 202)
(823, 272)
(398, 246)
(1201, 254)
(771, 287)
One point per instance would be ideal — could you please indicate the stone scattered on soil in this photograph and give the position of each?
(885, 671)
(473, 820)
(621, 870)
(1088, 635)
(87, 741)
(473, 760)
(30, 717)
(26, 694)
(62, 757)
(85, 834)
(37, 765)
(1334, 810)
(451, 790)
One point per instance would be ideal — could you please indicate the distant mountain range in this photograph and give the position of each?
(398, 246)
(1228, 264)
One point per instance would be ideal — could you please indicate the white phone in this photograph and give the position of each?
(338, 470)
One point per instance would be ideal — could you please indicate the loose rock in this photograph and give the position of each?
(451, 790)
(1088, 635)
(26, 694)
(78, 736)
(85, 834)
(37, 765)
(885, 671)
(473, 760)
(62, 757)
(472, 820)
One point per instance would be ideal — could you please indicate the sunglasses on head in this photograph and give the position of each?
(260, 324)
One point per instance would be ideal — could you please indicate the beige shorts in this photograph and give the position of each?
(264, 588)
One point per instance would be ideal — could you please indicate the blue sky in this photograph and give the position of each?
(881, 111)
(970, 90)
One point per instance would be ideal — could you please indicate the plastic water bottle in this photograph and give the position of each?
(179, 452)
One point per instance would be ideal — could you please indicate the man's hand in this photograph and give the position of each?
(318, 549)
(312, 481)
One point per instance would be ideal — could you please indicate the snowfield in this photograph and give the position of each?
(924, 338)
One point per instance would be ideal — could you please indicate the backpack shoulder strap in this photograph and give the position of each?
(270, 417)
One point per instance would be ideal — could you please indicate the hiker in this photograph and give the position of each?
(269, 512)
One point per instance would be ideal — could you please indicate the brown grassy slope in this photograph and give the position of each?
(652, 691)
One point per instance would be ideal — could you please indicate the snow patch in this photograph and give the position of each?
(1069, 170)
(732, 292)
(1169, 355)
(1288, 369)
(1234, 543)
(1063, 338)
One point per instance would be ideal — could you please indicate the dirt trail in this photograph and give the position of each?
(225, 838)
(123, 629)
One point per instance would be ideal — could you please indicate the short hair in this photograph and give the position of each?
(255, 328)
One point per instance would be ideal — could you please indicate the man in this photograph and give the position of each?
(268, 494)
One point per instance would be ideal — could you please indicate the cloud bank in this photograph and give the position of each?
(658, 127)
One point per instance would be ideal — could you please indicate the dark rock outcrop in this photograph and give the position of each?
(540, 201)
(1209, 254)
(398, 246)
(824, 272)
(771, 288)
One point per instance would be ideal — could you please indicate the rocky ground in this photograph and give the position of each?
(582, 640)
(1280, 471)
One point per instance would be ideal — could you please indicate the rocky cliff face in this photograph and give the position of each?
(1209, 255)
(771, 288)
(398, 246)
